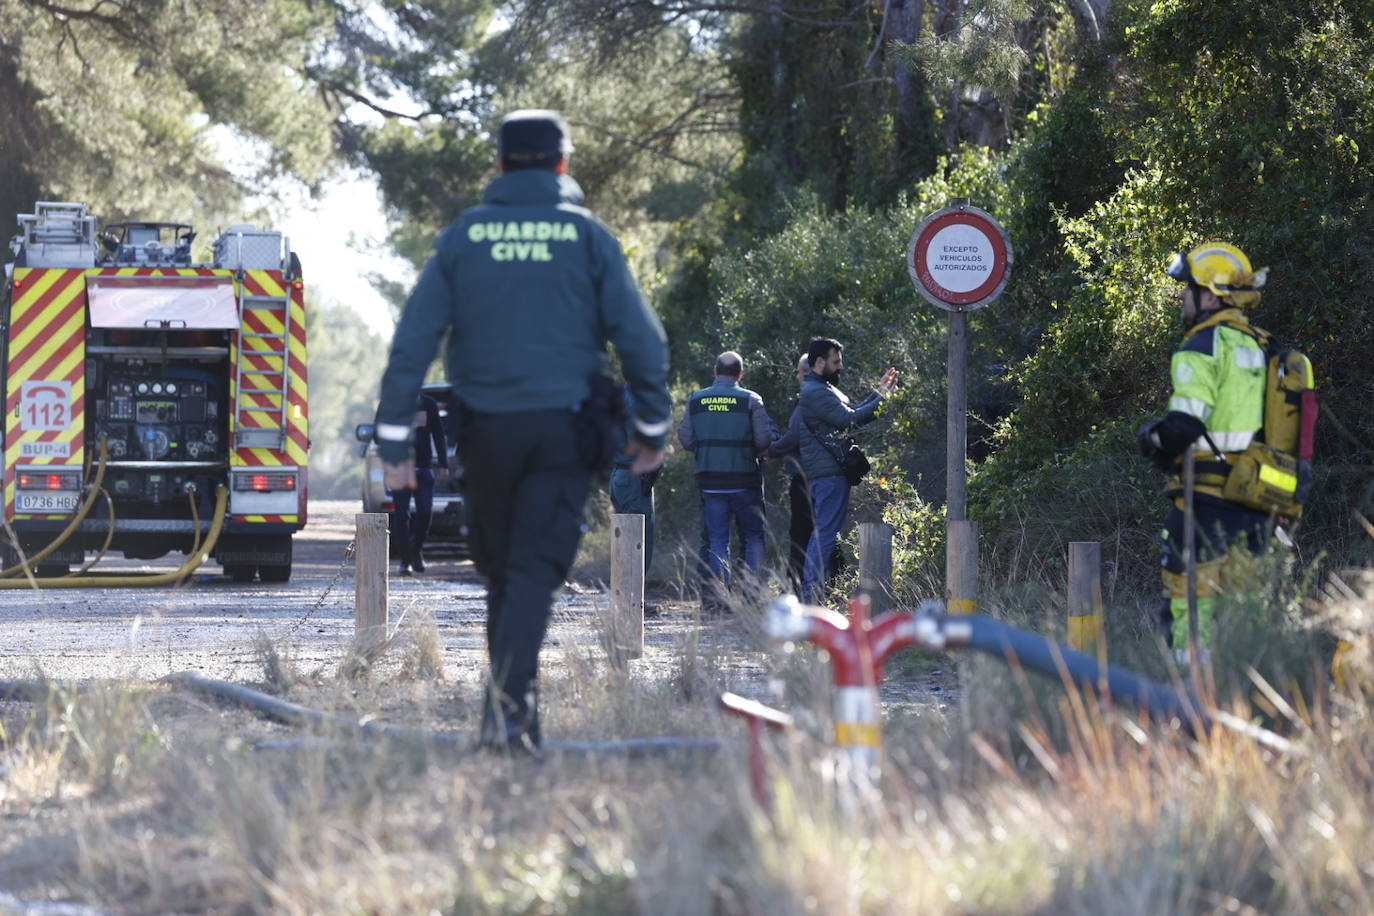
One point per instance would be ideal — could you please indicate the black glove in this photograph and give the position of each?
(1147, 439)
(647, 481)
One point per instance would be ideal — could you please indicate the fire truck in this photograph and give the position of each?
(168, 381)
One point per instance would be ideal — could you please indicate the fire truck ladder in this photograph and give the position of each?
(271, 351)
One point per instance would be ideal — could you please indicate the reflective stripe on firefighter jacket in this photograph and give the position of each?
(723, 436)
(1218, 377)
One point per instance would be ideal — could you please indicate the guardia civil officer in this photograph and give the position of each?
(529, 286)
(1216, 408)
(726, 427)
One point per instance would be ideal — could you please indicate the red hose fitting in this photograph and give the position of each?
(858, 648)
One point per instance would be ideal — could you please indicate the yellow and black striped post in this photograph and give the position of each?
(1085, 599)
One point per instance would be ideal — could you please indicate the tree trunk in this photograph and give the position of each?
(904, 25)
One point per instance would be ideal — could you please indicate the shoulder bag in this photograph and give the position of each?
(854, 464)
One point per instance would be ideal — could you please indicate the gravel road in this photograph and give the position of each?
(211, 624)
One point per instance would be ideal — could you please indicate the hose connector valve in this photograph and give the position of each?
(783, 620)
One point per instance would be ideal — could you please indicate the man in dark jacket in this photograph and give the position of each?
(802, 520)
(431, 447)
(529, 287)
(726, 427)
(826, 418)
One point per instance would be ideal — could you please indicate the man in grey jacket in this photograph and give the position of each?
(802, 521)
(826, 418)
(528, 288)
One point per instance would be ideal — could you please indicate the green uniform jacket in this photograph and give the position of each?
(725, 426)
(529, 286)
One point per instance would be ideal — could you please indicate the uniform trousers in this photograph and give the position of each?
(1228, 538)
(526, 490)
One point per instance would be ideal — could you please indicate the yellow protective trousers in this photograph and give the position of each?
(1229, 539)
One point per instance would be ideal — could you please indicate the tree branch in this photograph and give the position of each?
(871, 64)
(348, 92)
(640, 144)
(118, 21)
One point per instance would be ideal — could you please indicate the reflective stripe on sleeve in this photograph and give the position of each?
(393, 432)
(651, 429)
(1191, 406)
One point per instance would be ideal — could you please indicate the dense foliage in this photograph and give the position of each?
(1191, 120)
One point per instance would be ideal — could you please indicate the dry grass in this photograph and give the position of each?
(167, 804)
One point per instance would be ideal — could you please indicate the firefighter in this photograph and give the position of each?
(530, 287)
(1216, 409)
(411, 529)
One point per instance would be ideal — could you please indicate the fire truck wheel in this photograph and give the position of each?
(241, 572)
(275, 573)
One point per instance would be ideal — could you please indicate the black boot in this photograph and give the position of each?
(508, 726)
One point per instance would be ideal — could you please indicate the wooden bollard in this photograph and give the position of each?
(626, 623)
(1085, 598)
(369, 580)
(875, 564)
(961, 567)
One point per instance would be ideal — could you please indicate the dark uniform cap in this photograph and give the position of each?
(534, 135)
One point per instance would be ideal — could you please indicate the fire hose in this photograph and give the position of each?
(191, 564)
(931, 630)
(935, 631)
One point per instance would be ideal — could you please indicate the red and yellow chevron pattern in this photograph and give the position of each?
(264, 370)
(157, 272)
(47, 343)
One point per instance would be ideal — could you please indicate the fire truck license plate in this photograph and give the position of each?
(47, 502)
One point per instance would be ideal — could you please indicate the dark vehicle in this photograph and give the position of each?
(449, 530)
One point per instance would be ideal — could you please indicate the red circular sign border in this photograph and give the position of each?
(999, 251)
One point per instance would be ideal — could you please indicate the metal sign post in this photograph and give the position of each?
(959, 259)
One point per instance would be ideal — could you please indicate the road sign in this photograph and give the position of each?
(959, 258)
